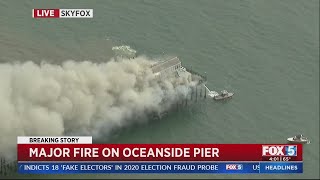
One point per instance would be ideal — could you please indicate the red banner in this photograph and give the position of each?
(159, 152)
(46, 13)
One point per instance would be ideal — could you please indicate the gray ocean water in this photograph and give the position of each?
(266, 51)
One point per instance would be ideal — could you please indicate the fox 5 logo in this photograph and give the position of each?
(279, 150)
(234, 167)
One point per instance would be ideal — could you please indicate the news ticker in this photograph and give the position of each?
(161, 167)
(66, 154)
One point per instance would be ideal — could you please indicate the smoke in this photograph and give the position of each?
(80, 98)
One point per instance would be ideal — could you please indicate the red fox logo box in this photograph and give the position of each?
(279, 150)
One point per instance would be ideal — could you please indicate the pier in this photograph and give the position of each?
(197, 93)
(173, 68)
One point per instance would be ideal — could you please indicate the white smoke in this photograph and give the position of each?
(79, 98)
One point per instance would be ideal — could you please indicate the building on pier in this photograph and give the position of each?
(173, 68)
(170, 68)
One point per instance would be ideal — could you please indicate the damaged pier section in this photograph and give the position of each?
(172, 68)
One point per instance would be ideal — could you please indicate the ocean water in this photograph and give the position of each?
(265, 51)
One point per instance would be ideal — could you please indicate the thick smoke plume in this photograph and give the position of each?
(80, 98)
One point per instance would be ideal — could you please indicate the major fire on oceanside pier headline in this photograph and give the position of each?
(126, 152)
